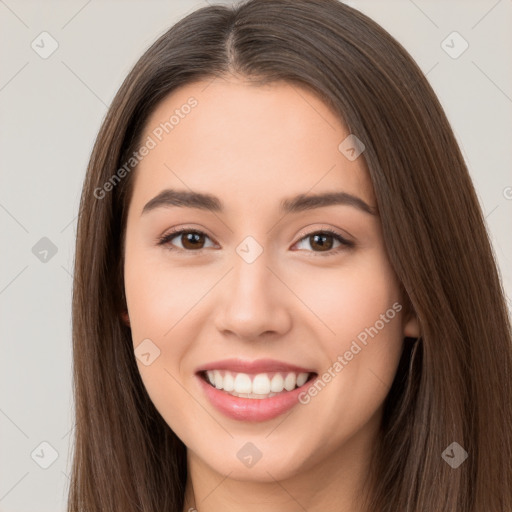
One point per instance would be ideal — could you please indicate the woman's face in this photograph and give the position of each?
(255, 295)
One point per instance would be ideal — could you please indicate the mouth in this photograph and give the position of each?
(253, 391)
(255, 386)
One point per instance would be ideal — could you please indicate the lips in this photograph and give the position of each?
(253, 390)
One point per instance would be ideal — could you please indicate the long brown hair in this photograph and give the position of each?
(452, 386)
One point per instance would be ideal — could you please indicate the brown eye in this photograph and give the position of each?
(323, 242)
(191, 240)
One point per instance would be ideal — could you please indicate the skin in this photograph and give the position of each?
(252, 146)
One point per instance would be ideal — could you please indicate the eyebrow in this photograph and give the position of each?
(189, 199)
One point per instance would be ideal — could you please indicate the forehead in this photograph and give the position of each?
(250, 143)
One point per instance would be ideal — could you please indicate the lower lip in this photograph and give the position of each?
(252, 409)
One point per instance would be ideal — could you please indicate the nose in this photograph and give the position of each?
(253, 301)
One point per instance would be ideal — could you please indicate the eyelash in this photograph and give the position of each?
(345, 244)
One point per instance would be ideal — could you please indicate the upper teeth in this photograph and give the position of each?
(260, 384)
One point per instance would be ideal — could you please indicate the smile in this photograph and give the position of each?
(253, 391)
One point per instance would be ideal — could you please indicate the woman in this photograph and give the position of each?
(285, 297)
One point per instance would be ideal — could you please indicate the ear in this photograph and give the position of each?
(126, 318)
(411, 325)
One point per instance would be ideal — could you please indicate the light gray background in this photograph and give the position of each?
(51, 110)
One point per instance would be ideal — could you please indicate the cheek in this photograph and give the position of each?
(350, 298)
(160, 300)
(363, 311)
(158, 294)
(160, 303)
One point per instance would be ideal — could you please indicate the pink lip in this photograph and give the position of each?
(249, 409)
(258, 366)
